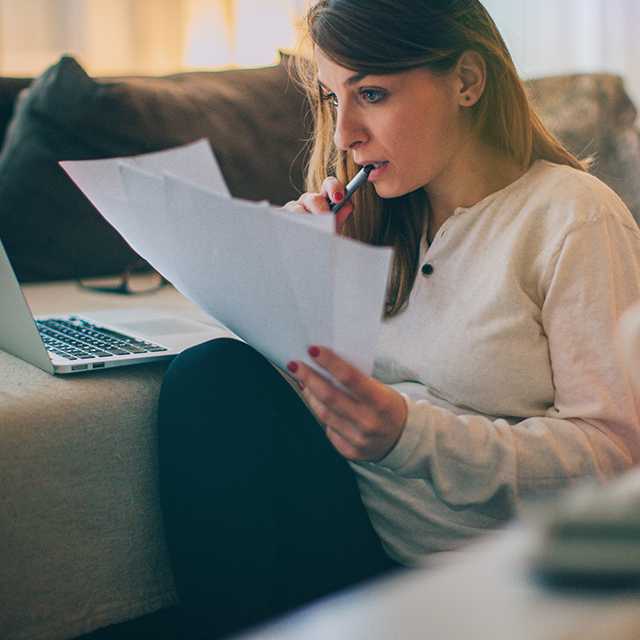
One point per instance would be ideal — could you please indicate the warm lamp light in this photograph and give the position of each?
(145, 37)
(241, 33)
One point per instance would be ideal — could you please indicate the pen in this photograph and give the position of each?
(361, 177)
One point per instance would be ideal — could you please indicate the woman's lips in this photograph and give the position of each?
(378, 170)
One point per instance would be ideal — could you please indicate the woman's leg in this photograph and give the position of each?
(261, 513)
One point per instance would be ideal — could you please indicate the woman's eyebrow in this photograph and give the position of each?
(354, 79)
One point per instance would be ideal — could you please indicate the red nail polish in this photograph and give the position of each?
(314, 352)
(293, 367)
(337, 197)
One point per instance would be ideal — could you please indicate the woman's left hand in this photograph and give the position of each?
(364, 424)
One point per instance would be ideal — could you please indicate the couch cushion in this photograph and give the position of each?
(9, 90)
(593, 115)
(253, 119)
(81, 539)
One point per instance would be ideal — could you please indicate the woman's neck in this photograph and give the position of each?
(476, 175)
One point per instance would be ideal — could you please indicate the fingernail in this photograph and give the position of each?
(314, 352)
(301, 386)
(293, 367)
(337, 197)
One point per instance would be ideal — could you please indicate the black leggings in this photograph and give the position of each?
(261, 513)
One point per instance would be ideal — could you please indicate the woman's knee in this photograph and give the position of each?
(219, 372)
(206, 357)
(207, 364)
(194, 376)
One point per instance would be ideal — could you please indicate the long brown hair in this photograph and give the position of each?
(381, 37)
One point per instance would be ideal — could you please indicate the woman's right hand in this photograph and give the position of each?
(318, 203)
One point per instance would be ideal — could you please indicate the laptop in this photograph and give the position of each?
(73, 343)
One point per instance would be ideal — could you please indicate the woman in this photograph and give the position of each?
(495, 380)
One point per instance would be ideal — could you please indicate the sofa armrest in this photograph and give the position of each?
(81, 539)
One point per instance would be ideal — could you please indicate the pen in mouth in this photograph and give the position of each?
(361, 178)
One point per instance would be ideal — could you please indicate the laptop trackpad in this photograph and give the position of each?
(148, 322)
(161, 326)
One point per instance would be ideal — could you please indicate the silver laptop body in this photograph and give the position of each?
(151, 334)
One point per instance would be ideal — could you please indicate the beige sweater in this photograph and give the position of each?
(506, 356)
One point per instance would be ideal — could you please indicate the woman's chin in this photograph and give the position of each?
(387, 191)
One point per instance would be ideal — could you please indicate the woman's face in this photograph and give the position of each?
(411, 125)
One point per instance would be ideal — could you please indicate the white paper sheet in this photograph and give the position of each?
(280, 281)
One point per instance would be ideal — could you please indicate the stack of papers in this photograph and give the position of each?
(280, 281)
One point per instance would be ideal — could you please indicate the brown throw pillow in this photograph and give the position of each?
(253, 118)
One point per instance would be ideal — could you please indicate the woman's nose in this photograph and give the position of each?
(350, 131)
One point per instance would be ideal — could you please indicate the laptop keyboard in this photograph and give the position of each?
(76, 339)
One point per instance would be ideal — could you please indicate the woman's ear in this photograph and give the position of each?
(471, 72)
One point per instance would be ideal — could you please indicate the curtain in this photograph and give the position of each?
(555, 37)
(238, 32)
(117, 37)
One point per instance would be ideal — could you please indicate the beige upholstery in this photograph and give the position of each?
(81, 540)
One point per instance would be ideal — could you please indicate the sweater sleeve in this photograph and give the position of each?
(591, 430)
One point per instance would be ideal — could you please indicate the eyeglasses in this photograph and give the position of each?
(138, 278)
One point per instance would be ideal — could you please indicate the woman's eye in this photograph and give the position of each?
(330, 97)
(372, 95)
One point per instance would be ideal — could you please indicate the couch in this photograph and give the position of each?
(81, 542)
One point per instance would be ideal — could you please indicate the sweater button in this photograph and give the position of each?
(427, 269)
